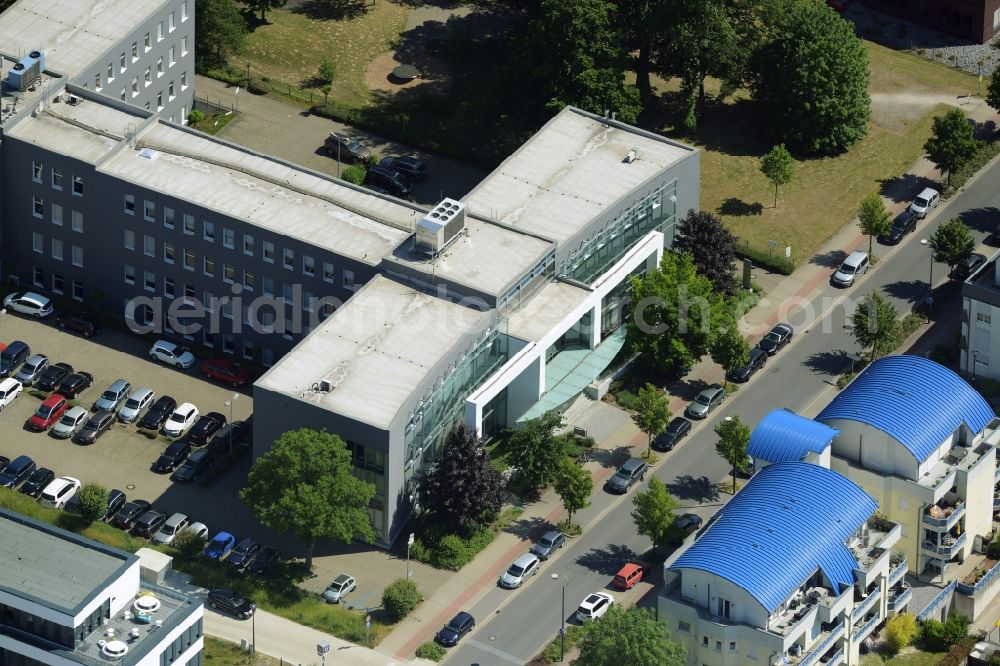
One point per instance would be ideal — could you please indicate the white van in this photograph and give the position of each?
(856, 264)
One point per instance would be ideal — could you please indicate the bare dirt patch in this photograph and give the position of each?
(378, 73)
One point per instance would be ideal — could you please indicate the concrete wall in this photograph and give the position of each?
(706, 589)
(872, 448)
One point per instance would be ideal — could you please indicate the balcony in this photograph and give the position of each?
(899, 597)
(866, 604)
(899, 567)
(867, 628)
(815, 656)
(947, 548)
(792, 619)
(834, 659)
(942, 517)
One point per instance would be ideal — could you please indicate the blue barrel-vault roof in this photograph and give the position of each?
(913, 399)
(790, 519)
(783, 436)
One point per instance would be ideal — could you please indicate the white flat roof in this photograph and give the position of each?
(552, 304)
(377, 351)
(55, 130)
(72, 33)
(568, 173)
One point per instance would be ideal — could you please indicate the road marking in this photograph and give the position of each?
(495, 652)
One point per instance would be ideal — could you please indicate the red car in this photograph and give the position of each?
(225, 371)
(48, 413)
(629, 575)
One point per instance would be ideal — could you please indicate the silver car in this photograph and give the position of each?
(706, 401)
(136, 403)
(524, 566)
(113, 396)
(175, 524)
(31, 369)
(338, 589)
(70, 423)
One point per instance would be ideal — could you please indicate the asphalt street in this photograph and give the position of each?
(513, 626)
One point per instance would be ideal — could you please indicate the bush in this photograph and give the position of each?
(776, 262)
(188, 544)
(196, 117)
(430, 650)
(932, 636)
(993, 550)
(92, 502)
(900, 632)
(552, 651)
(958, 655)
(400, 598)
(259, 86)
(956, 628)
(626, 399)
(354, 174)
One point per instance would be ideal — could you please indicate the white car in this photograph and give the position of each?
(927, 199)
(594, 606)
(59, 492)
(10, 388)
(198, 528)
(181, 420)
(29, 303)
(168, 352)
(136, 403)
(72, 420)
(518, 572)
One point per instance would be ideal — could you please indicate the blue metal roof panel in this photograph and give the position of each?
(913, 399)
(783, 436)
(790, 519)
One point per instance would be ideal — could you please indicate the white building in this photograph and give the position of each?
(980, 306)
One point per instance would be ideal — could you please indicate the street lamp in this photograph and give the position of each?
(409, 542)
(930, 277)
(229, 403)
(562, 621)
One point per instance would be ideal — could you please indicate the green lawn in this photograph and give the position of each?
(223, 653)
(913, 658)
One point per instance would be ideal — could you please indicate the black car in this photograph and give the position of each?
(235, 434)
(40, 478)
(172, 457)
(75, 384)
(388, 179)
(674, 433)
(116, 500)
(408, 165)
(689, 522)
(148, 523)
(53, 375)
(345, 148)
(757, 360)
(967, 266)
(158, 413)
(904, 223)
(243, 553)
(265, 558)
(231, 602)
(16, 472)
(630, 473)
(206, 426)
(777, 337)
(452, 632)
(96, 425)
(197, 464)
(128, 514)
(84, 323)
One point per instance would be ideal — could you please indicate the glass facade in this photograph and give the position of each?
(369, 465)
(526, 287)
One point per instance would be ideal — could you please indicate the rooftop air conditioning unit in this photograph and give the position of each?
(440, 226)
(325, 385)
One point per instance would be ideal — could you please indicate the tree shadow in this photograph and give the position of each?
(607, 560)
(525, 528)
(831, 259)
(441, 4)
(904, 187)
(985, 220)
(687, 388)
(732, 127)
(331, 10)
(910, 291)
(689, 488)
(832, 363)
(736, 207)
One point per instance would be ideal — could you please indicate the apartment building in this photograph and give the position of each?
(796, 568)
(65, 599)
(975, 20)
(980, 304)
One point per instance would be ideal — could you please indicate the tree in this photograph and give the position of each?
(400, 598)
(189, 544)
(873, 218)
(952, 143)
(538, 452)
(876, 325)
(632, 637)
(654, 511)
(734, 435)
(306, 485)
(92, 502)
(676, 313)
(219, 32)
(993, 91)
(778, 167)
(730, 349)
(811, 80)
(327, 71)
(952, 242)
(652, 412)
(900, 631)
(712, 246)
(261, 6)
(574, 485)
(463, 487)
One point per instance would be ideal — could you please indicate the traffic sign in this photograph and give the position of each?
(322, 648)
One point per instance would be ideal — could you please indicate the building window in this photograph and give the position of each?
(348, 279)
(57, 180)
(248, 350)
(37, 206)
(159, 66)
(111, 71)
(228, 272)
(328, 274)
(170, 92)
(718, 646)
(36, 172)
(249, 282)
(228, 238)
(78, 186)
(149, 246)
(168, 287)
(123, 94)
(146, 77)
(189, 260)
(184, 10)
(289, 259)
(57, 214)
(168, 252)
(159, 100)
(149, 280)
(168, 218)
(38, 277)
(76, 221)
(57, 249)
(135, 86)
(189, 291)
(704, 641)
(248, 244)
(170, 22)
(129, 239)
(188, 224)
(77, 256)
(129, 274)
(184, 81)
(159, 31)
(135, 51)
(57, 283)
(121, 63)
(732, 646)
(147, 43)
(37, 242)
(684, 627)
(209, 266)
(269, 252)
(209, 231)
(268, 286)
(227, 343)
(130, 204)
(97, 81)
(308, 266)
(983, 318)
(171, 56)
(77, 290)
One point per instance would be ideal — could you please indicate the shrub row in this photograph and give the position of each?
(777, 263)
(445, 550)
(985, 151)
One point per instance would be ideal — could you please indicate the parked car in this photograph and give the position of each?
(206, 426)
(84, 323)
(75, 384)
(15, 473)
(12, 356)
(181, 420)
(59, 492)
(547, 544)
(28, 303)
(777, 337)
(48, 413)
(756, 361)
(173, 526)
(171, 354)
(705, 402)
(519, 570)
(96, 425)
(158, 413)
(904, 223)
(32, 368)
(676, 430)
(139, 400)
(265, 558)
(116, 500)
(854, 265)
(235, 434)
(594, 606)
(53, 375)
(10, 388)
(226, 372)
(243, 553)
(451, 633)
(199, 529)
(148, 523)
(231, 602)
(70, 423)
(346, 148)
(220, 546)
(129, 513)
(40, 478)
(967, 266)
(389, 179)
(689, 522)
(628, 576)
(408, 165)
(113, 396)
(339, 588)
(197, 464)
(630, 473)
(923, 202)
(172, 457)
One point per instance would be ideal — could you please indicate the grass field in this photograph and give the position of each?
(223, 653)
(912, 658)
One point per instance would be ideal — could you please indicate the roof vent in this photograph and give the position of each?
(325, 385)
(149, 153)
(630, 156)
(440, 227)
